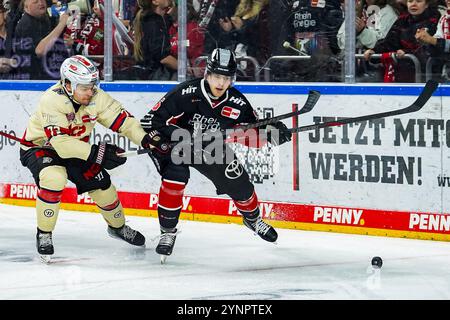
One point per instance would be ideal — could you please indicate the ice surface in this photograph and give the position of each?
(213, 261)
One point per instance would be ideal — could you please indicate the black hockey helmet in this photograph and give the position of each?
(222, 61)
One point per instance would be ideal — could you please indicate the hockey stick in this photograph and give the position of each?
(9, 136)
(313, 97)
(424, 96)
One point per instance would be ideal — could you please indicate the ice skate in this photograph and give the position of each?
(262, 229)
(166, 243)
(127, 234)
(44, 245)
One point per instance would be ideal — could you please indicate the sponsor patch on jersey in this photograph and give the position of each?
(156, 106)
(59, 91)
(70, 116)
(318, 3)
(230, 112)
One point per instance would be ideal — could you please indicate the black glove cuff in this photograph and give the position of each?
(97, 154)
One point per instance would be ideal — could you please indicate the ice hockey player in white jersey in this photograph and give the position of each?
(56, 148)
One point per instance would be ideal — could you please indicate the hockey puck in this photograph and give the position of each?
(377, 262)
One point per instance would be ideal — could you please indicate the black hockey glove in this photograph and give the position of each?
(156, 141)
(103, 156)
(106, 156)
(284, 135)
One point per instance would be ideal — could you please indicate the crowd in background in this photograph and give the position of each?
(37, 35)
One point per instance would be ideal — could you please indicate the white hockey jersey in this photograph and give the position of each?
(56, 124)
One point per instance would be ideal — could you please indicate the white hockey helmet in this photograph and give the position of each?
(79, 70)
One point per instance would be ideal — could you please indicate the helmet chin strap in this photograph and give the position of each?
(70, 93)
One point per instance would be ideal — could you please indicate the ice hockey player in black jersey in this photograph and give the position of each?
(208, 104)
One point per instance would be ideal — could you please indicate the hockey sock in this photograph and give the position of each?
(170, 203)
(248, 208)
(109, 206)
(47, 209)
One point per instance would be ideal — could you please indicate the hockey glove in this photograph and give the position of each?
(155, 140)
(284, 135)
(106, 155)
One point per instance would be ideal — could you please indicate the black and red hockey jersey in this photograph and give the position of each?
(189, 106)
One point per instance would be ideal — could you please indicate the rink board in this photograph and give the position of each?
(384, 177)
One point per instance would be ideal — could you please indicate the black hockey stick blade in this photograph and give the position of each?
(313, 97)
(421, 100)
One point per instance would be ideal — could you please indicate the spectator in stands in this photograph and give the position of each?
(152, 41)
(442, 6)
(311, 30)
(439, 44)
(278, 14)
(237, 26)
(15, 11)
(374, 18)
(3, 13)
(220, 30)
(244, 21)
(195, 36)
(401, 40)
(87, 37)
(5, 63)
(38, 42)
(401, 6)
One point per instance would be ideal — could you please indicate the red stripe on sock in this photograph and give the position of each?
(171, 194)
(247, 205)
(50, 196)
(111, 206)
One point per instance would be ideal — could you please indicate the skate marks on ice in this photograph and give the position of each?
(215, 261)
(13, 256)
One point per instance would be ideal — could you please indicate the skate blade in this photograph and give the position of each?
(45, 258)
(257, 235)
(163, 258)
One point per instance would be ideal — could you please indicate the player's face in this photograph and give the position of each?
(84, 93)
(218, 83)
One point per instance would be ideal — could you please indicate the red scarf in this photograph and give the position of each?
(446, 25)
(388, 60)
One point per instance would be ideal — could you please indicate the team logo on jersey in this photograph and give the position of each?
(234, 170)
(70, 116)
(230, 112)
(46, 160)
